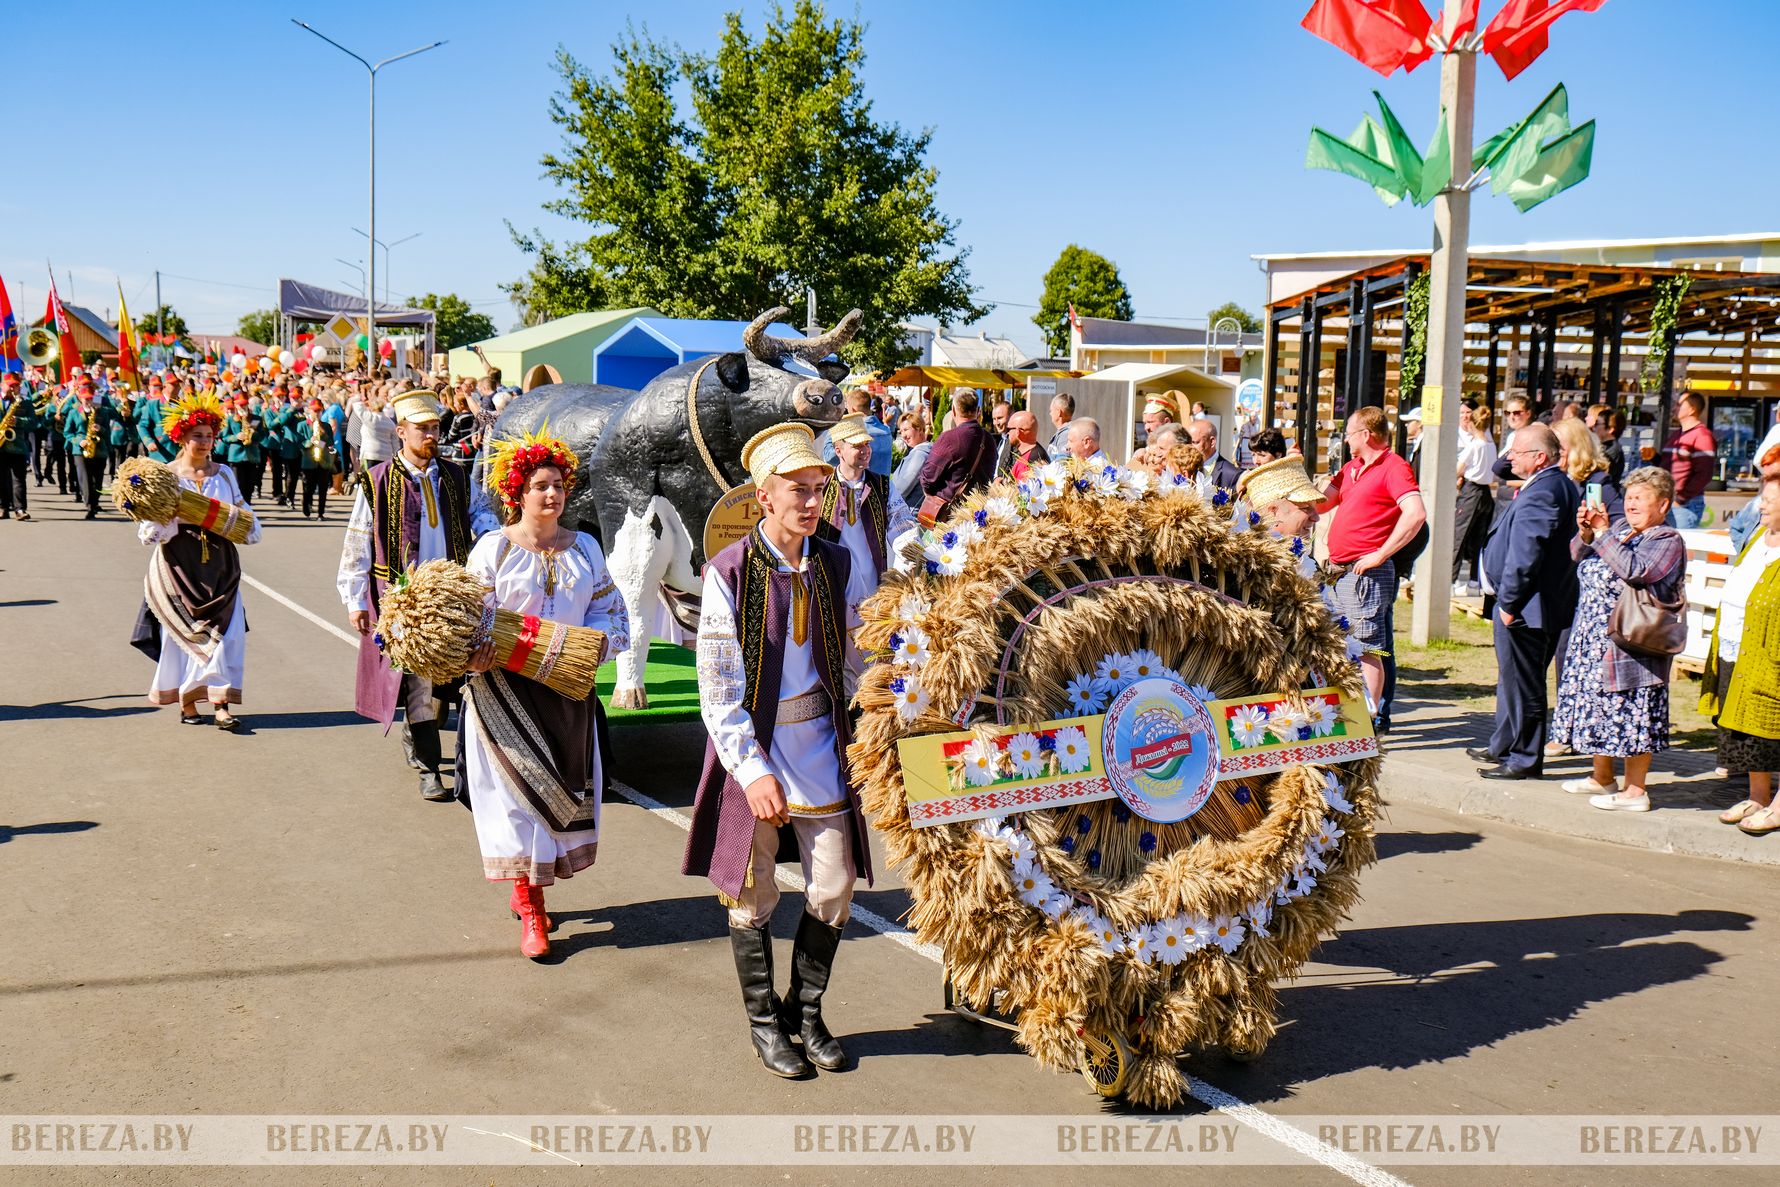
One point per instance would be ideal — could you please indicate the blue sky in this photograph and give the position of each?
(226, 147)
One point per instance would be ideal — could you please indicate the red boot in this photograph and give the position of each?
(517, 901)
(534, 940)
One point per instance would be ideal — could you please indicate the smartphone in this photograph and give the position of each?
(1595, 497)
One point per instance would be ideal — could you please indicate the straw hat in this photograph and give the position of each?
(781, 449)
(1168, 403)
(851, 430)
(416, 407)
(1283, 479)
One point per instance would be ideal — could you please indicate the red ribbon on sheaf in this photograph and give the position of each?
(522, 647)
(211, 516)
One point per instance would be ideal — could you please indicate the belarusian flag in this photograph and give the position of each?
(9, 336)
(53, 316)
(129, 354)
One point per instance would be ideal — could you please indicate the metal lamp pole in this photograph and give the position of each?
(386, 247)
(370, 256)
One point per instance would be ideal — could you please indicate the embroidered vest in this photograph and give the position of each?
(397, 504)
(877, 514)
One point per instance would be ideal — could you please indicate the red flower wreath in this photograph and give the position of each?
(525, 460)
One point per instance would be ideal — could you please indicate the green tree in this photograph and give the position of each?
(1249, 322)
(151, 323)
(1087, 280)
(259, 326)
(458, 324)
(771, 176)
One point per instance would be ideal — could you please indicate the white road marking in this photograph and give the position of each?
(338, 632)
(1213, 1097)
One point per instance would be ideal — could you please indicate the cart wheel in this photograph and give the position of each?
(1106, 1061)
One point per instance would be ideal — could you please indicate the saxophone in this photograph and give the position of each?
(89, 448)
(246, 437)
(318, 446)
(7, 432)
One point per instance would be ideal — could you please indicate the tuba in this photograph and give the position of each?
(39, 347)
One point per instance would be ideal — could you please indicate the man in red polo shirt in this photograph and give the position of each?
(1381, 511)
(1691, 456)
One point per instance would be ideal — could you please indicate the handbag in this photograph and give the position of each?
(1644, 624)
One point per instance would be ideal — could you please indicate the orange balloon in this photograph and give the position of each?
(250, 366)
(275, 370)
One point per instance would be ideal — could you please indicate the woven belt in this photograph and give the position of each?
(807, 707)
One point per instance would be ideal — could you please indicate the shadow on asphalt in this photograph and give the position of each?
(1459, 987)
(66, 710)
(9, 831)
(23, 602)
(320, 719)
(1393, 844)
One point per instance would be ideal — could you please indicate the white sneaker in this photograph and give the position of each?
(1588, 786)
(1615, 803)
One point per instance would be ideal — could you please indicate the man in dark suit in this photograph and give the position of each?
(1527, 563)
(962, 459)
(1220, 469)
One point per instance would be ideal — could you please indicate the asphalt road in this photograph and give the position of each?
(275, 923)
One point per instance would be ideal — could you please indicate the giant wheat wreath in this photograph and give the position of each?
(1127, 565)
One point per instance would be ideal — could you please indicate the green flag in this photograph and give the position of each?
(1364, 155)
(1560, 165)
(1404, 159)
(1512, 152)
(1436, 171)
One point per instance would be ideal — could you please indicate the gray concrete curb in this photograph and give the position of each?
(1539, 804)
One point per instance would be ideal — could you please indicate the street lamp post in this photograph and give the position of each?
(370, 256)
(386, 247)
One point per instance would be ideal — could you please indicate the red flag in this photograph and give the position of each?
(1519, 34)
(53, 316)
(1381, 34)
(9, 335)
(1467, 21)
(1074, 321)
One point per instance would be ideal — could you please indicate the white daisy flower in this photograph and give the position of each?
(1135, 484)
(1038, 504)
(1327, 837)
(1107, 481)
(979, 763)
(1054, 478)
(1312, 859)
(1028, 758)
(1109, 938)
(1258, 917)
(1249, 725)
(1199, 690)
(944, 560)
(1140, 942)
(911, 698)
(1284, 723)
(1072, 750)
(1058, 904)
(1303, 882)
(1033, 885)
(1019, 845)
(911, 647)
(1145, 664)
(968, 532)
(1239, 521)
(912, 609)
(1321, 715)
(1355, 648)
(1002, 510)
(1087, 694)
(1333, 793)
(1115, 670)
(1227, 932)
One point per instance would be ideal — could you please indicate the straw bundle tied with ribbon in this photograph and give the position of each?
(436, 616)
(149, 492)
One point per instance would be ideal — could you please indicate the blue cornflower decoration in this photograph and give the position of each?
(1304, 733)
(1067, 844)
(1297, 545)
(897, 685)
(1147, 842)
(135, 480)
(1083, 824)
(1081, 484)
(1344, 624)
(1047, 743)
(1254, 519)
(950, 539)
(1121, 813)
(933, 568)
(982, 518)
(1093, 859)
(129, 505)
(1219, 497)
(378, 639)
(1243, 795)
(895, 642)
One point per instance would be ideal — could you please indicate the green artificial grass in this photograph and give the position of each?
(671, 680)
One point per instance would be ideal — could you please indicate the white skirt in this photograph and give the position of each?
(515, 841)
(178, 675)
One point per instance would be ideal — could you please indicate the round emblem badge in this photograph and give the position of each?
(1161, 754)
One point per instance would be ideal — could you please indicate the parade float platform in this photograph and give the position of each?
(672, 681)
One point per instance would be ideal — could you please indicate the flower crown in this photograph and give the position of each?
(513, 460)
(183, 415)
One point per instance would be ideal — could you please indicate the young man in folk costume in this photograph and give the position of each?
(773, 694)
(414, 509)
(862, 513)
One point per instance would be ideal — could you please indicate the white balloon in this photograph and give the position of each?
(286, 358)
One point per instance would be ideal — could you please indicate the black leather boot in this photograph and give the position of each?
(408, 749)
(812, 959)
(754, 969)
(426, 749)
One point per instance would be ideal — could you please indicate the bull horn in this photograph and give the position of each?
(769, 349)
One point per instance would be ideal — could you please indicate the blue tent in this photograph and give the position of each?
(644, 347)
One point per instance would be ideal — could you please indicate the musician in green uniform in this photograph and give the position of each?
(86, 427)
(18, 420)
(155, 443)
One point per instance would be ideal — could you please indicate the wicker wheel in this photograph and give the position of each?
(1106, 1061)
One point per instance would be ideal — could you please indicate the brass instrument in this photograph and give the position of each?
(89, 446)
(318, 446)
(7, 432)
(39, 347)
(246, 437)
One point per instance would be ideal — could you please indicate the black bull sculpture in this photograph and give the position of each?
(654, 462)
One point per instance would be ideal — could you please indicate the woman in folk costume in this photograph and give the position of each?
(193, 625)
(530, 759)
(772, 692)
